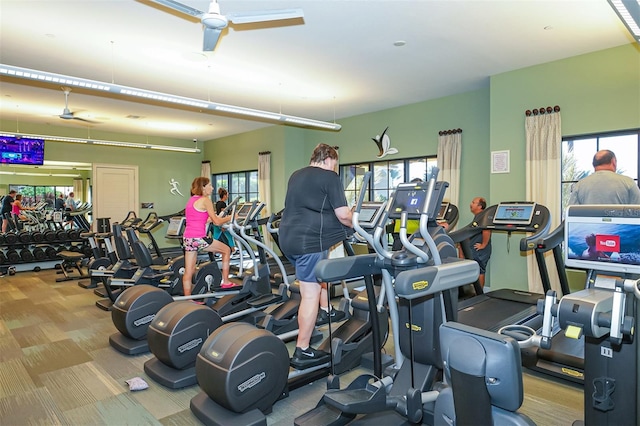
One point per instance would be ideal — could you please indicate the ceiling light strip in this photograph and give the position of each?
(241, 112)
(629, 13)
(39, 174)
(103, 142)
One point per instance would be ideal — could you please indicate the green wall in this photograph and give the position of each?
(155, 168)
(597, 92)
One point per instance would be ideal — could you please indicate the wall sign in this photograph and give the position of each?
(500, 161)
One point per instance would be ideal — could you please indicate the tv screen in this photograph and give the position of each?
(18, 150)
(603, 238)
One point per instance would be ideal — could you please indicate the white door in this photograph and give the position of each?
(115, 192)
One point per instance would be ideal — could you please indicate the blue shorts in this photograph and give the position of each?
(305, 265)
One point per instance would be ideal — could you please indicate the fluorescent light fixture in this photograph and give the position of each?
(629, 13)
(107, 143)
(39, 174)
(98, 86)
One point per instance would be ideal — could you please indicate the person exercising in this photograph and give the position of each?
(481, 242)
(198, 212)
(219, 233)
(7, 205)
(316, 217)
(605, 186)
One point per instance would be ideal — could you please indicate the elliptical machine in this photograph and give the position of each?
(427, 260)
(179, 329)
(243, 371)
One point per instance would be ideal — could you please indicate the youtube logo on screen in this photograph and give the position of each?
(608, 242)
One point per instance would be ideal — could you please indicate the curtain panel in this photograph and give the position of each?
(449, 155)
(543, 178)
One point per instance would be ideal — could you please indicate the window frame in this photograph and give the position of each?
(352, 174)
(567, 182)
(240, 183)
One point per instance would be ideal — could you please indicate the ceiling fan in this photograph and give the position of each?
(214, 22)
(66, 113)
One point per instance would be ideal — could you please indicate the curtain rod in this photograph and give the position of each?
(542, 111)
(449, 132)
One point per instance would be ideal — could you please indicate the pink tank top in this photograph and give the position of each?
(196, 220)
(15, 209)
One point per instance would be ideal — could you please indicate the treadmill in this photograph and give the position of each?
(565, 358)
(491, 311)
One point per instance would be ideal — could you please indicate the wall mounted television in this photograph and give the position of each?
(19, 150)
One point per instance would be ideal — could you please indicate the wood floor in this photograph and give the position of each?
(57, 368)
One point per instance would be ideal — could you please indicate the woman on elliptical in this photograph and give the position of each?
(199, 211)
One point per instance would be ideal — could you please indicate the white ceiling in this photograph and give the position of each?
(338, 62)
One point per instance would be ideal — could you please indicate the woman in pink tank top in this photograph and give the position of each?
(199, 211)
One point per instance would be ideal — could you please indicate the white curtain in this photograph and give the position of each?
(78, 191)
(264, 189)
(205, 169)
(449, 154)
(543, 180)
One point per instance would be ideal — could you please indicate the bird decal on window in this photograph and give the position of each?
(384, 144)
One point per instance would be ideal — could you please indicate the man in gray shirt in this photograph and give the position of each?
(605, 186)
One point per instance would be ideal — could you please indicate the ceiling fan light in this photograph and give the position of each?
(214, 20)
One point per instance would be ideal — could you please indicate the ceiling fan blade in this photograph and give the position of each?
(182, 8)
(85, 120)
(264, 15)
(211, 37)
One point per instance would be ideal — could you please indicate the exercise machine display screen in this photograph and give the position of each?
(409, 198)
(514, 213)
(244, 210)
(370, 214)
(176, 226)
(603, 238)
(444, 207)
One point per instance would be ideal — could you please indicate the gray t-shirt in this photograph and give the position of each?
(605, 187)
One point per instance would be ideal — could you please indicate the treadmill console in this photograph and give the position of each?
(603, 238)
(514, 213)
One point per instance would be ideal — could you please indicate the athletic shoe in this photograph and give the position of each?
(323, 316)
(307, 358)
(227, 286)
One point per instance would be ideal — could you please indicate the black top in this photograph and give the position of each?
(6, 205)
(309, 223)
(220, 205)
(59, 205)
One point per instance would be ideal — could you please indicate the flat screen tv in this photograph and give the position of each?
(603, 238)
(19, 150)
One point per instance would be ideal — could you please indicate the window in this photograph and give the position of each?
(243, 184)
(386, 175)
(578, 151)
(32, 195)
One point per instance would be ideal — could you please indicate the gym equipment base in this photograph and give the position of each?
(169, 376)
(210, 413)
(127, 345)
